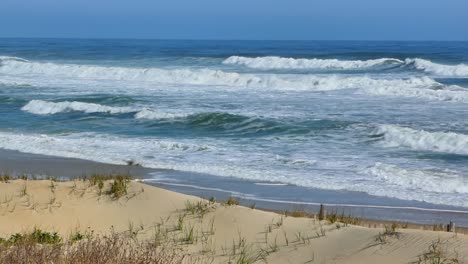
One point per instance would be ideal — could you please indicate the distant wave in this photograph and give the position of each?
(445, 142)
(270, 62)
(55, 74)
(10, 58)
(198, 77)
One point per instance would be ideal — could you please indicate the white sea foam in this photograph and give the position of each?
(445, 142)
(41, 107)
(272, 62)
(459, 70)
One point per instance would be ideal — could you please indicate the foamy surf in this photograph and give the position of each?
(162, 154)
(426, 180)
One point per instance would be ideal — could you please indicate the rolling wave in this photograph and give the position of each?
(445, 142)
(243, 125)
(271, 63)
(235, 124)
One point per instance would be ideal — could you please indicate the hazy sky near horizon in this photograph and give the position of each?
(237, 19)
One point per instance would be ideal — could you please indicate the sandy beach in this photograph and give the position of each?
(216, 229)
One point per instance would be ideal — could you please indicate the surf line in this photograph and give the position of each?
(249, 197)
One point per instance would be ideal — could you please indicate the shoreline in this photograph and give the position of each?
(14, 162)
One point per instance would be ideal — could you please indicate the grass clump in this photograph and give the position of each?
(389, 232)
(334, 217)
(5, 178)
(199, 208)
(36, 237)
(77, 236)
(436, 254)
(298, 213)
(189, 235)
(115, 186)
(119, 186)
(232, 201)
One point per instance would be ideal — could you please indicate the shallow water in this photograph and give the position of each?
(385, 119)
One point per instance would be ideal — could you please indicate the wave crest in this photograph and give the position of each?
(40, 107)
(155, 115)
(460, 70)
(445, 142)
(277, 63)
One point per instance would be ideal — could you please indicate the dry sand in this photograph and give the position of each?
(66, 207)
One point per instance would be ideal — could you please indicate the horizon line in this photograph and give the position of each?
(228, 39)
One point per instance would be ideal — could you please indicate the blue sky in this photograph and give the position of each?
(237, 19)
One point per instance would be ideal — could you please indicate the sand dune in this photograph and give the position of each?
(220, 233)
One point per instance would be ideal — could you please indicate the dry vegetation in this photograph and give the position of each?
(44, 247)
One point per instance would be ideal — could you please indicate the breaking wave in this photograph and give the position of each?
(460, 70)
(272, 62)
(445, 142)
(40, 107)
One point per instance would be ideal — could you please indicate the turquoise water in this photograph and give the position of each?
(387, 120)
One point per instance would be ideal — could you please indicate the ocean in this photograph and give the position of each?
(361, 123)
